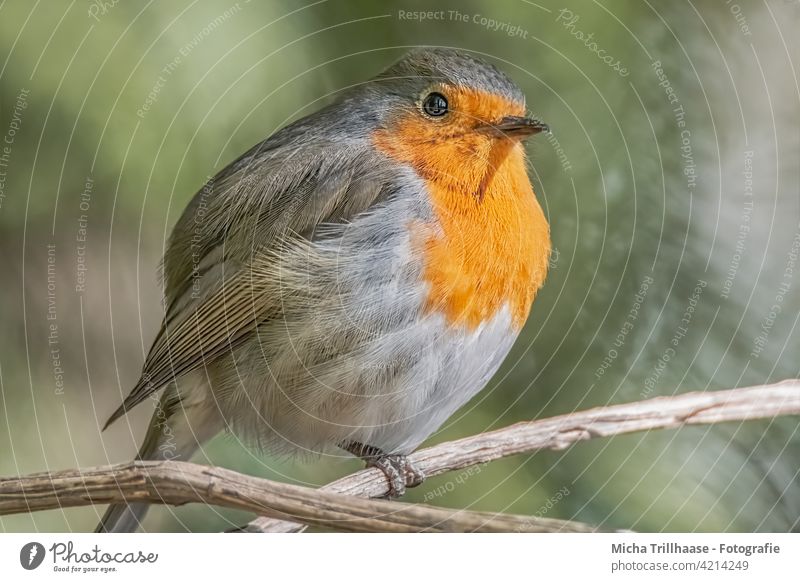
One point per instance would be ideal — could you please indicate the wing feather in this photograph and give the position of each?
(251, 209)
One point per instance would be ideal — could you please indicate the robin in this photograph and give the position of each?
(355, 278)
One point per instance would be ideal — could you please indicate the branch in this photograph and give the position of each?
(337, 505)
(176, 483)
(559, 432)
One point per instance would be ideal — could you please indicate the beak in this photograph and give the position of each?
(519, 127)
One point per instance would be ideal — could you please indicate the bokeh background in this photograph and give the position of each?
(671, 179)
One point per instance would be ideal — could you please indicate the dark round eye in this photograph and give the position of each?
(435, 105)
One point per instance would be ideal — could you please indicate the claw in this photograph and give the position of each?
(414, 475)
(399, 471)
(394, 472)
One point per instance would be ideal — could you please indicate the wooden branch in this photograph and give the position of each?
(176, 483)
(337, 505)
(559, 432)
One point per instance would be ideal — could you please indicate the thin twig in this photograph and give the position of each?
(176, 483)
(559, 432)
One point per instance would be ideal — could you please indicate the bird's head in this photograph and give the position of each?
(452, 117)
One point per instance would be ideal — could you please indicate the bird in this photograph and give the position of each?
(355, 278)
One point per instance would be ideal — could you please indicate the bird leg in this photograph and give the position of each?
(399, 471)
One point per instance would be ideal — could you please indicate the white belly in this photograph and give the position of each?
(391, 393)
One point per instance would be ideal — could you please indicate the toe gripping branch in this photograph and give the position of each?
(399, 471)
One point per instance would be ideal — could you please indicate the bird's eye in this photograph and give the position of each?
(435, 105)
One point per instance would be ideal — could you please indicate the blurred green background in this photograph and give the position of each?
(672, 182)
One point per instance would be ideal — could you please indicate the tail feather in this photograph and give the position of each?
(176, 431)
(127, 517)
(122, 518)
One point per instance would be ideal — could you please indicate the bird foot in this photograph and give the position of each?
(400, 472)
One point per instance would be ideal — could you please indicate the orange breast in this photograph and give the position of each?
(490, 245)
(491, 251)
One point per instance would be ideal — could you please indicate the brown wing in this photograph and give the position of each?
(253, 206)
